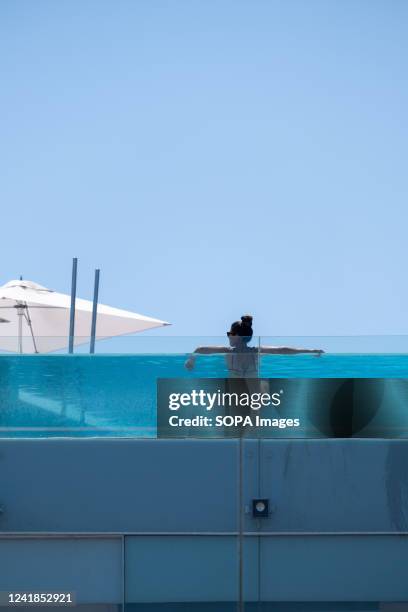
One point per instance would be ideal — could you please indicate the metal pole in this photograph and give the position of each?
(240, 526)
(72, 310)
(94, 312)
(20, 314)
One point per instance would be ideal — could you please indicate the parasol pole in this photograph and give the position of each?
(20, 314)
(20, 324)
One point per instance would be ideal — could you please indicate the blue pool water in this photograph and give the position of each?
(115, 395)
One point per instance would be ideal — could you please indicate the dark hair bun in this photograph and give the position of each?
(247, 320)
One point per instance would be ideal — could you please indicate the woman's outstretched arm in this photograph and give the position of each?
(204, 350)
(210, 350)
(287, 350)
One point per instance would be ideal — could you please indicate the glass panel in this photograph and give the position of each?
(163, 342)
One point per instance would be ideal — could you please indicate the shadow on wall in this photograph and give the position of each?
(343, 408)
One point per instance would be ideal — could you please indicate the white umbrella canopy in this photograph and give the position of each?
(34, 319)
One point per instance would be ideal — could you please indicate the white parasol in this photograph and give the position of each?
(34, 319)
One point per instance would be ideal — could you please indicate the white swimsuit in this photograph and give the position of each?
(243, 364)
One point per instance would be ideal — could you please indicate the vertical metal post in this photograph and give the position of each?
(94, 312)
(20, 314)
(241, 593)
(72, 310)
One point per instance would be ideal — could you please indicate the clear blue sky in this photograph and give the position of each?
(212, 157)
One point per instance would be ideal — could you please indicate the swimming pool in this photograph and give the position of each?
(115, 395)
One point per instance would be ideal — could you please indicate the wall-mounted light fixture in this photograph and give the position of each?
(260, 508)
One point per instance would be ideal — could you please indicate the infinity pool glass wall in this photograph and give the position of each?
(114, 394)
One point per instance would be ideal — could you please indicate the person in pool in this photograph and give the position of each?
(242, 360)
